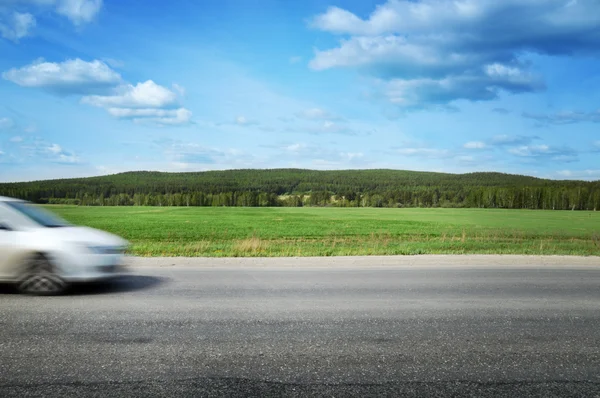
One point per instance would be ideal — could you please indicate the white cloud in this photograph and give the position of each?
(16, 26)
(338, 20)
(475, 145)
(471, 85)
(56, 154)
(73, 76)
(79, 11)
(147, 101)
(419, 18)
(16, 139)
(142, 95)
(439, 51)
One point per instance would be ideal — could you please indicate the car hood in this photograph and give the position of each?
(84, 235)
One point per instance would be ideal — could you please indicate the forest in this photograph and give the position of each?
(299, 187)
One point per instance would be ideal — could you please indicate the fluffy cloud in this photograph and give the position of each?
(65, 158)
(142, 95)
(397, 16)
(16, 25)
(438, 51)
(78, 11)
(73, 76)
(143, 103)
(56, 154)
(565, 117)
(473, 86)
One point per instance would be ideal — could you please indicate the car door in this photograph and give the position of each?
(11, 248)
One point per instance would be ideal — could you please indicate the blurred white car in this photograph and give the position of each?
(43, 253)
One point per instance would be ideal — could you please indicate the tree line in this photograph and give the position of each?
(296, 187)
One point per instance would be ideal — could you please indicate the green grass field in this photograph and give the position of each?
(227, 231)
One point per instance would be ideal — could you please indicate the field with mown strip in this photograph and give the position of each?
(239, 231)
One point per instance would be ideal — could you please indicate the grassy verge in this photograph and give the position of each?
(227, 232)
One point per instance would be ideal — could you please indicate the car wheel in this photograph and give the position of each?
(40, 279)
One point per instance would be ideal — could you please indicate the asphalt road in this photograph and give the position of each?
(343, 331)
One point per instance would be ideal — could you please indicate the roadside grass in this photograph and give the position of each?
(271, 232)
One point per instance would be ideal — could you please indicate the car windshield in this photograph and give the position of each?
(38, 215)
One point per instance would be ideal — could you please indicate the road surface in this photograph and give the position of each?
(318, 327)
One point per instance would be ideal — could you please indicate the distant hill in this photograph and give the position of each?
(349, 187)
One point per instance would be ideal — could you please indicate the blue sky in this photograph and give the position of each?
(92, 87)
